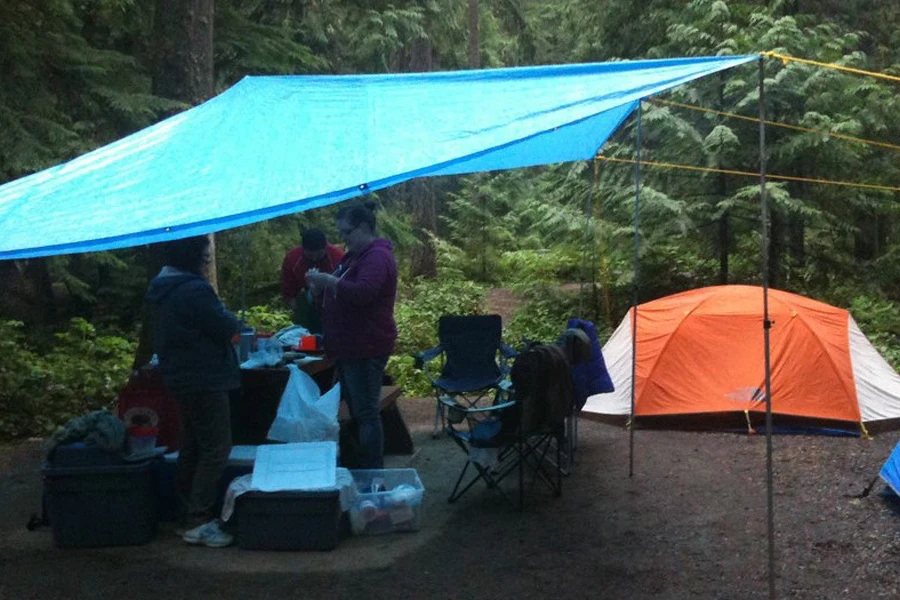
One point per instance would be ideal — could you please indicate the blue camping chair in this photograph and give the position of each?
(473, 361)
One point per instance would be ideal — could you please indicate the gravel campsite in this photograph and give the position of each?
(690, 523)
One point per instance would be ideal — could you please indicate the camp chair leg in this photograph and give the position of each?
(559, 471)
(537, 454)
(534, 453)
(457, 493)
(483, 474)
(570, 440)
(454, 496)
(438, 421)
(521, 476)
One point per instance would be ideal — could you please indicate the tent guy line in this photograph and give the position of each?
(665, 165)
(779, 124)
(788, 59)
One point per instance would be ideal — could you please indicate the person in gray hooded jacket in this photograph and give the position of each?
(192, 333)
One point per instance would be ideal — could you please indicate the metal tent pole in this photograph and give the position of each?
(767, 325)
(635, 284)
(588, 249)
(589, 266)
(245, 242)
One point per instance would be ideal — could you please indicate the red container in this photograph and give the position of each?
(143, 431)
(142, 440)
(308, 342)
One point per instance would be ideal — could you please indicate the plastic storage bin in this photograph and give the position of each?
(79, 454)
(288, 520)
(102, 505)
(388, 500)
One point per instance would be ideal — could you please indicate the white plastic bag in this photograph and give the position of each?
(269, 353)
(303, 414)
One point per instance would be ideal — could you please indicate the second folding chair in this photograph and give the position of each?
(525, 428)
(472, 361)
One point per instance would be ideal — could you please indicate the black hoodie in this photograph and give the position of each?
(192, 334)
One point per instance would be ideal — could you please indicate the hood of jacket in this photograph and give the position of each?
(168, 279)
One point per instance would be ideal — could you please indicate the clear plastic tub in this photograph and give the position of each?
(388, 501)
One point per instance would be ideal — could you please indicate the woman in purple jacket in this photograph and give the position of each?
(358, 322)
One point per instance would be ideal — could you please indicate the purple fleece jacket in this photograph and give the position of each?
(358, 317)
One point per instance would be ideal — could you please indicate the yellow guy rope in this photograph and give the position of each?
(787, 59)
(653, 163)
(863, 431)
(775, 123)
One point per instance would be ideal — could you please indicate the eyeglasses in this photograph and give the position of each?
(346, 232)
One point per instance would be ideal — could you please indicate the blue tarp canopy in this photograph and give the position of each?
(890, 471)
(271, 146)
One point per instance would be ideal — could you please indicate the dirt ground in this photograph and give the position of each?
(690, 523)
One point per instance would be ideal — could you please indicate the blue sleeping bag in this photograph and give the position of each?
(590, 377)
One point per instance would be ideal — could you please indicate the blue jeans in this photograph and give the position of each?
(360, 381)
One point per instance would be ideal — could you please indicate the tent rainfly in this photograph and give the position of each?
(701, 352)
(272, 146)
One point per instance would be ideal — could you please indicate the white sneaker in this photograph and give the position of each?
(209, 534)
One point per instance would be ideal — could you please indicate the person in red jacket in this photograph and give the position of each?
(358, 322)
(314, 252)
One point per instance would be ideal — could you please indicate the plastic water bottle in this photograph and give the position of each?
(403, 494)
(368, 511)
(248, 337)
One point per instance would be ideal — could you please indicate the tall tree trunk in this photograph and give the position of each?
(26, 293)
(420, 192)
(474, 50)
(183, 71)
(724, 235)
(797, 243)
(184, 63)
(795, 233)
(184, 60)
(866, 239)
(776, 247)
(424, 259)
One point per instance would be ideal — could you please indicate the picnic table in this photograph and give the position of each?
(254, 408)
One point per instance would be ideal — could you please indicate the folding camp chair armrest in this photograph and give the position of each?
(507, 352)
(450, 403)
(426, 356)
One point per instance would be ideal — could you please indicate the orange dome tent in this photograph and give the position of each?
(701, 352)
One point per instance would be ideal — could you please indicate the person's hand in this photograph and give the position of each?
(318, 280)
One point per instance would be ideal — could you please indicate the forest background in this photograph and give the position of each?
(75, 75)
